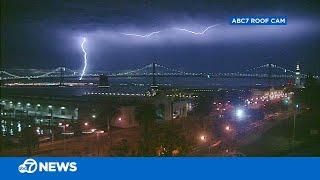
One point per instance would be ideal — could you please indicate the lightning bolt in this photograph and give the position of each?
(196, 33)
(179, 29)
(139, 35)
(84, 40)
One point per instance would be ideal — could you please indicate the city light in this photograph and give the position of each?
(240, 113)
(119, 119)
(228, 128)
(202, 138)
(86, 124)
(93, 116)
(50, 106)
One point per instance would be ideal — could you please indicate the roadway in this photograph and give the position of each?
(86, 145)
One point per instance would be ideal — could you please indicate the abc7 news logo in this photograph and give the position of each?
(28, 166)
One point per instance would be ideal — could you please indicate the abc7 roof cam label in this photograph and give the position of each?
(258, 20)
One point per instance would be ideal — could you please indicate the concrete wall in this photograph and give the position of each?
(13, 107)
(89, 109)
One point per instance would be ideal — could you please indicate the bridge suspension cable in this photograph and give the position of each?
(259, 67)
(136, 70)
(170, 69)
(270, 66)
(48, 73)
(9, 74)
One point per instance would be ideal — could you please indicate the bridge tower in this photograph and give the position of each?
(62, 69)
(297, 79)
(1, 77)
(154, 84)
(103, 81)
(269, 74)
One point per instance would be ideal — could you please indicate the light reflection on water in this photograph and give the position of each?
(140, 85)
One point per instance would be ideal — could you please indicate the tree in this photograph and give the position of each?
(171, 142)
(29, 138)
(110, 109)
(145, 115)
(203, 106)
(310, 95)
(111, 112)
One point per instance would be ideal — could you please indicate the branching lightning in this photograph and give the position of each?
(196, 33)
(139, 35)
(84, 57)
(175, 28)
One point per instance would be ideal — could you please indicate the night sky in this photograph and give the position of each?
(48, 34)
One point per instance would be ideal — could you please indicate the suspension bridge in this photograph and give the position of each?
(154, 70)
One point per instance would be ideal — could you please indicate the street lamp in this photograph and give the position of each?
(50, 120)
(65, 126)
(97, 138)
(227, 128)
(294, 124)
(203, 138)
(27, 108)
(86, 128)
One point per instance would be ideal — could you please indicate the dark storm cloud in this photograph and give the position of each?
(48, 34)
